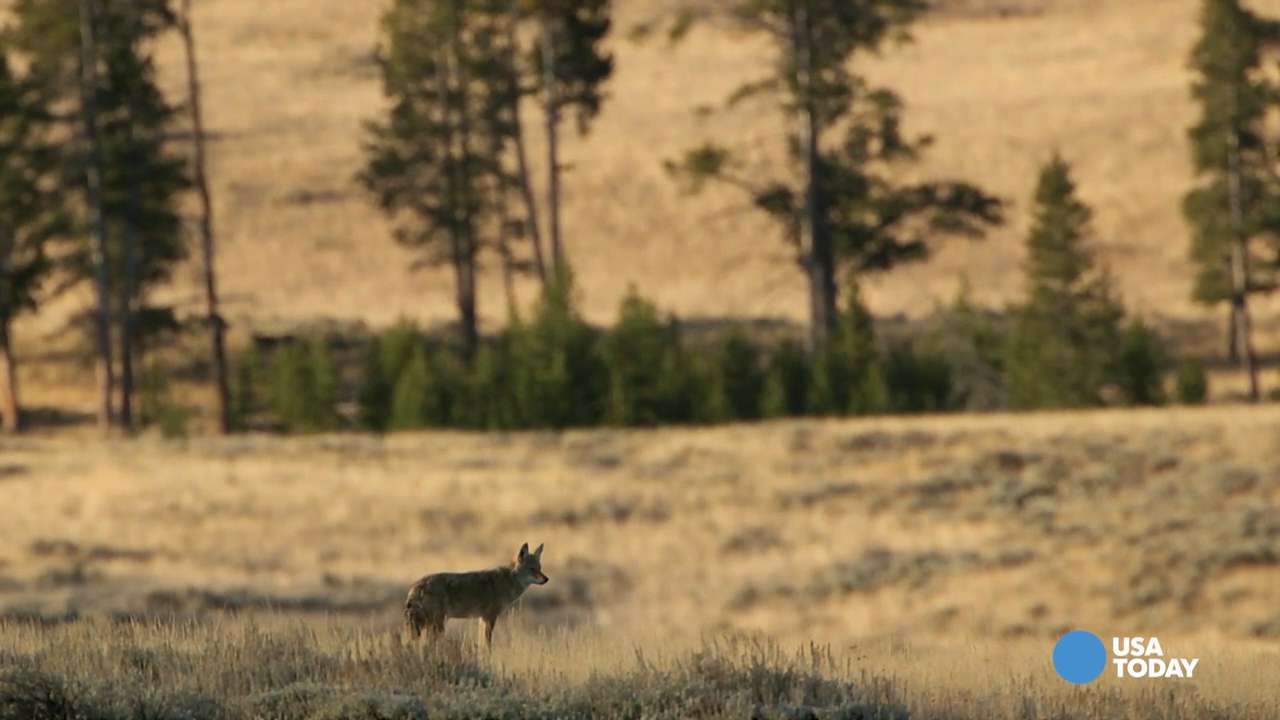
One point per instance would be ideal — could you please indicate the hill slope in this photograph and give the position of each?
(289, 84)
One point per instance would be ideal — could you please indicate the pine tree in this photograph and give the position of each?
(569, 67)
(841, 207)
(560, 379)
(100, 72)
(1062, 349)
(30, 216)
(433, 163)
(635, 351)
(1233, 206)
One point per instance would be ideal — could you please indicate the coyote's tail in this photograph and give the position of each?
(412, 619)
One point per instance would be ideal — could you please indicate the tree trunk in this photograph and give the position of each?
(128, 328)
(93, 188)
(815, 241)
(522, 157)
(217, 328)
(461, 191)
(10, 411)
(1240, 281)
(1233, 354)
(552, 117)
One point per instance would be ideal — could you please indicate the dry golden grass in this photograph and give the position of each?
(903, 543)
(279, 667)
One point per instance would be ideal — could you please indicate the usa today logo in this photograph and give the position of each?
(1080, 658)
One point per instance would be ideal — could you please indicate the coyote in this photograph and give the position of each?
(483, 594)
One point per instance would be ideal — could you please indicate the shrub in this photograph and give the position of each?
(488, 401)
(974, 346)
(647, 377)
(246, 380)
(786, 384)
(846, 377)
(376, 390)
(157, 406)
(1192, 383)
(1141, 365)
(739, 376)
(559, 378)
(304, 387)
(411, 406)
(918, 380)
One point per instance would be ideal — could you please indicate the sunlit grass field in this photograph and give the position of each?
(933, 562)
(274, 666)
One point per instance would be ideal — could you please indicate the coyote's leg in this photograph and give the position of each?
(435, 625)
(489, 622)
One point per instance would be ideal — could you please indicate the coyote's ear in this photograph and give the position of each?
(524, 551)
(538, 553)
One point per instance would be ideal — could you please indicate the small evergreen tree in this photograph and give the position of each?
(1062, 348)
(304, 387)
(1192, 383)
(846, 377)
(413, 404)
(917, 379)
(376, 390)
(787, 382)
(741, 375)
(636, 352)
(1141, 366)
(560, 379)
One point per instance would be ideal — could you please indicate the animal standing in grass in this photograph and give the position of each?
(484, 594)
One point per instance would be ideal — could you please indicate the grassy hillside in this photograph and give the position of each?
(1001, 85)
(945, 555)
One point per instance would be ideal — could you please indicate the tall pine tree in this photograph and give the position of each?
(840, 207)
(435, 163)
(1233, 206)
(31, 216)
(568, 66)
(100, 71)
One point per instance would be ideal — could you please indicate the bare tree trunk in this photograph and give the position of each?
(10, 411)
(217, 328)
(815, 242)
(93, 186)
(552, 117)
(522, 157)
(1242, 327)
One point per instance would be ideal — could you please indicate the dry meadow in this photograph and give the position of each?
(932, 560)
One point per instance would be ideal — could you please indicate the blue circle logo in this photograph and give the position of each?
(1079, 657)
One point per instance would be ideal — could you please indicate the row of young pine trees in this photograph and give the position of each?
(96, 163)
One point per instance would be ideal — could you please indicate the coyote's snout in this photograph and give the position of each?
(484, 594)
